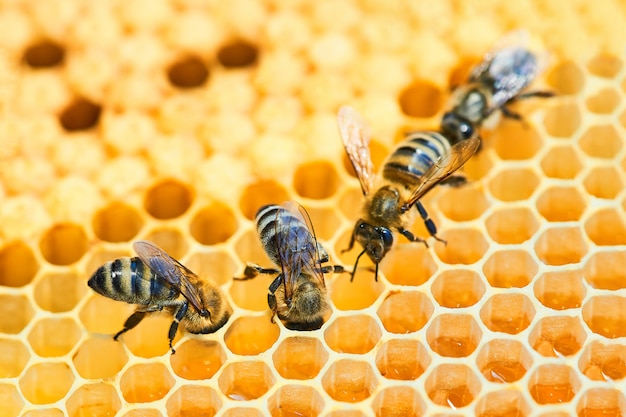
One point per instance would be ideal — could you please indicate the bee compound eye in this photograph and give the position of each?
(386, 236)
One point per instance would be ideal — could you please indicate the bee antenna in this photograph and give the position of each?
(356, 263)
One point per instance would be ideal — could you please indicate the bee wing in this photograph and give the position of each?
(445, 166)
(172, 271)
(355, 134)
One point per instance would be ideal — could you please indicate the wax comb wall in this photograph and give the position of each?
(173, 121)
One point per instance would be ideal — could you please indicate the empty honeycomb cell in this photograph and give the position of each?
(217, 266)
(18, 265)
(405, 312)
(510, 268)
(605, 270)
(420, 99)
(603, 182)
(259, 194)
(13, 358)
(168, 199)
(145, 382)
(503, 360)
(557, 336)
(238, 54)
(562, 119)
(453, 386)
(63, 244)
(511, 225)
(193, 400)
(251, 335)
(458, 288)
(601, 141)
(560, 290)
(44, 54)
(35, 382)
(561, 246)
(399, 265)
(601, 402)
(604, 65)
(117, 222)
(172, 241)
(316, 180)
(364, 334)
(198, 359)
(604, 101)
(553, 384)
(513, 140)
(561, 204)
(143, 412)
(478, 166)
(80, 114)
(150, 338)
(325, 222)
(11, 402)
(242, 412)
(295, 400)
(606, 228)
(561, 162)
(349, 381)
(606, 315)
(59, 292)
(464, 246)
(244, 381)
(398, 401)
(506, 403)
(94, 399)
(188, 72)
(378, 153)
(52, 337)
(99, 357)
(463, 203)
(507, 313)
(15, 313)
(213, 224)
(514, 185)
(566, 77)
(453, 335)
(299, 357)
(402, 359)
(600, 362)
(356, 295)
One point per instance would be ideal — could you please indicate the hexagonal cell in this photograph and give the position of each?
(12, 402)
(168, 199)
(566, 78)
(502, 360)
(514, 185)
(510, 269)
(561, 162)
(478, 166)
(172, 241)
(601, 402)
(59, 292)
(80, 114)
(606, 315)
(402, 359)
(251, 335)
(198, 359)
(603, 182)
(299, 357)
(95, 399)
(453, 386)
(35, 386)
(99, 357)
(358, 294)
(507, 313)
(363, 330)
(453, 335)
(117, 222)
(553, 384)
(53, 336)
(502, 403)
(601, 141)
(349, 381)
(13, 358)
(398, 265)
(193, 400)
(244, 381)
(150, 338)
(242, 412)
(63, 244)
(95, 322)
(605, 65)
(560, 290)
(213, 224)
(216, 265)
(237, 54)
(605, 270)
(143, 412)
(465, 246)
(405, 312)
(561, 204)
(420, 99)
(458, 288)
(15, 313)
(515, 141)
(561, 246)
(604, 101)
(463, 203)
(316, 180)
(606, 228)
(295, 400)
(259, 194)
(398, 402)
(557, 336)
(601, 362)
(18, 265)
(146, 382)
(563, 119)
(511, 225)
(45, 412)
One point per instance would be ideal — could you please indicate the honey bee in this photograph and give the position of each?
(298, 294)
(417, 164)
(155, 281)
(497, 81)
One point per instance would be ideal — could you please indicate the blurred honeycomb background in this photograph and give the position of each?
(174, 120)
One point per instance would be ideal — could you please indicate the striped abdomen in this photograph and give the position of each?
(131, 281)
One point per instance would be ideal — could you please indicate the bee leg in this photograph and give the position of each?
(454, 181)
(131, 322)
(271, 298)
(252, 270)
(355, 265)
(540, 94)
(428, 222)
(182, 310)
(335, 269)
(510, 114)
(351, 245)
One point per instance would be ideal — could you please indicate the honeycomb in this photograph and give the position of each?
(174, 120)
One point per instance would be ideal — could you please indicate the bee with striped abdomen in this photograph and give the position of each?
(298, 294)
(155, 281)
(416, 165)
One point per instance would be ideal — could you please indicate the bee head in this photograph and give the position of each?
(376, 240)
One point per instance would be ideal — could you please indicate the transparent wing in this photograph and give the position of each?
(355, 134)
(445, 166)
(172, 271)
